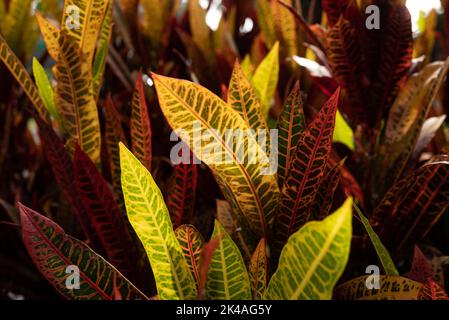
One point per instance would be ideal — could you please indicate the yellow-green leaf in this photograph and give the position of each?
(241, 98)
(201, 34)
(227, 278)
(150, 219)
(50, 33)
(382, 252)
(314, 258)
(45, 89)
(389, 288)
(266, 78)
(204, 122)
(258, 270)
(16, 23)
(343, 132)
(247, 67)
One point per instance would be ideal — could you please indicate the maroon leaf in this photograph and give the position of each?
(306, 173)
(141, 126)
(421, 269)
(432, 291)
(181, 194)
(334, 9)
(103, 213)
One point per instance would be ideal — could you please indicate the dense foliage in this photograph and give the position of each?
(88, 111)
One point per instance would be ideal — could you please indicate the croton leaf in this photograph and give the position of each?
(113, 135)
(189, 107)
(191, 242)
(227, 277)
(314, 258)
(382, 252)
(20, 73)
(242, 98)
(258, 270)
(421, 269)
(389, 288)
(265, 19)
(54, 253)
(334, 9)
(306, 172)
(201, 34)
(266, 77)
(325, 195)
(75, 100)
(432, 291)
(103, 213)
(50, 34)
(84, 32)
(16, 23)
(140, 126)
(412, 206)
(181, 197)
(62, 167)
(150, 219)
(45, 89)
(291, 126)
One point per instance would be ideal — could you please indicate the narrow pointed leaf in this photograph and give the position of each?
(103, 213)
(314, 258)
(140, 126)
(50, 34)
(306, 172)
(258, 270)
(421, 269)
(150, 219)
(189, 107)
(265, 79)
(382, 252)
(242, 98)
(390, 288)
(414, 204)
(291, 126)
(191, 243)
(325, 194)
(19, 72)
(45, 89)
(53, 252)
(227, 278)
(181, 197)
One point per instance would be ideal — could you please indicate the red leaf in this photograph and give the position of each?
(421, 269)
(334, 9)
(432, 291)
(306, 173)
(206, 257)
(62, 167)
(103, 213)
(141, 126)
(181, 195)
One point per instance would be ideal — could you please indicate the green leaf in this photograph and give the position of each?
(266, 78)
(150, 219)
(53, 251)
(314, 258)
(343, 132)
(45, 89)
(382, 252)
(227, 278)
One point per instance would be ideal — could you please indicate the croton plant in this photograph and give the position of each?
(107, 109)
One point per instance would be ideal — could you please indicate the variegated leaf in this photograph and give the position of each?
(306, 173)
(313, 259)
(389, 288)
(191, 242)
(141, 126)
(291, 126)
(192, 110)
(227, 278)
(54, 252)
(150, 219)
(258, 270)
